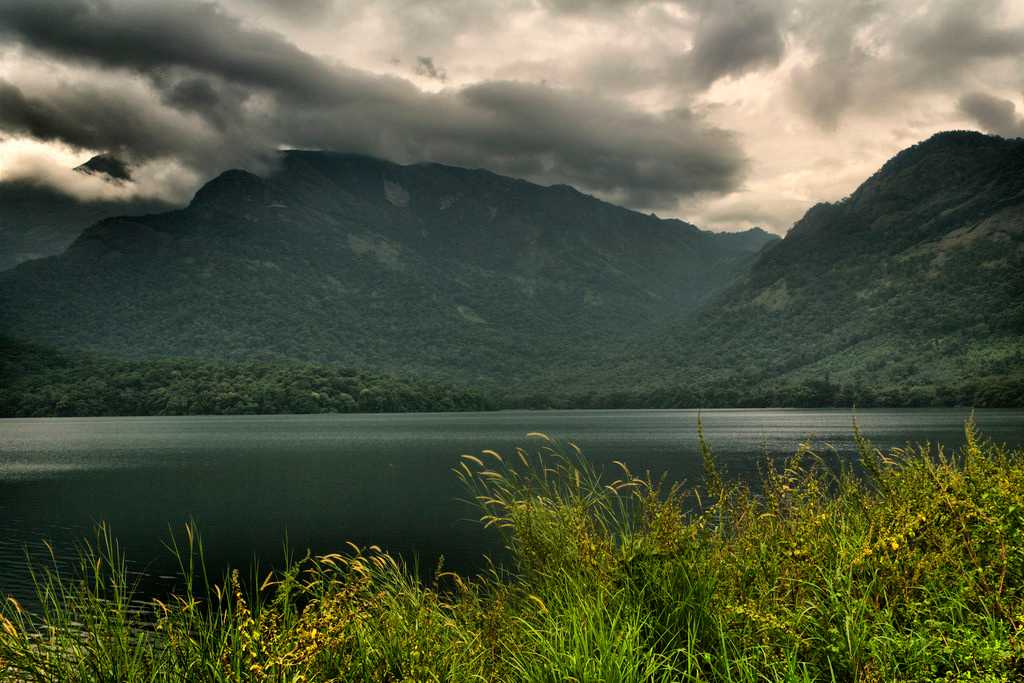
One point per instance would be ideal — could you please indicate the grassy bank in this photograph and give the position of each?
(912, 569)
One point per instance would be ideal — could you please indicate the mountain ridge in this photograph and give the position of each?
(357, 255)
(907, 292)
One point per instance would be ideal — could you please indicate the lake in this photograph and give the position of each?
(320, 480)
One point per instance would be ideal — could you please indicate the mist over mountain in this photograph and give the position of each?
(426, 269)
(38, 220)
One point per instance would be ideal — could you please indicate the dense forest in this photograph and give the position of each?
(38, 382)
(823, 392)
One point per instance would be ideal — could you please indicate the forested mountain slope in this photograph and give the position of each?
(911, 290)
(425, 269)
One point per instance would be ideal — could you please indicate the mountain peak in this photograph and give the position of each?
(105, 164)
(959, 143)
(234, 185)
(758, 232)
(924, 190)
(750, 240)
(960, 138)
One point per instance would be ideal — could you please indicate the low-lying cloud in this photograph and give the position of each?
(208, 92)
(164, 180)
(993, 114)
(717, 110)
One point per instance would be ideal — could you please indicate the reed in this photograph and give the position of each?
(907, 565)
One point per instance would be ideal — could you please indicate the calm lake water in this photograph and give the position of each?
(250, 482)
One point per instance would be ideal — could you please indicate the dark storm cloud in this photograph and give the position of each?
(734, 37)
(650, 159)
(963, 34)
(206, 84)
(295, 10)
(257, 91)
(129, 122)
(547, 134)
(825, 88)
(217, 103)
(152, 38)
(994, 114)
(87, 117)
(729, 38)
(935, 49)
(425, 67)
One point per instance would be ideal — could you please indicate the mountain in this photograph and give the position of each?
(105, 164)
(424, 269)
(910, 290)
(37, 221)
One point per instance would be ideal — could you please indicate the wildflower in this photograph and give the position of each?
(895, 545)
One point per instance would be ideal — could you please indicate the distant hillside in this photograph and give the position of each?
(424, 269)
(911, 290)
(38, 221)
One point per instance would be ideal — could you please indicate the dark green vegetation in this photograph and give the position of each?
(812, 392)
(915, 280)
(910, 292)
(912, 572)
(422, 270)
(37, 221)
(37, 382)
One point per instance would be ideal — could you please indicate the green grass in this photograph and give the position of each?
(910, 569)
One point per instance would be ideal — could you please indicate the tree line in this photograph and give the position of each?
(40, 382)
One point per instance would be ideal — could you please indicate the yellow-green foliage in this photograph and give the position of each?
(901, 566)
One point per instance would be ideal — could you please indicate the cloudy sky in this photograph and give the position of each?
(726, 113)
